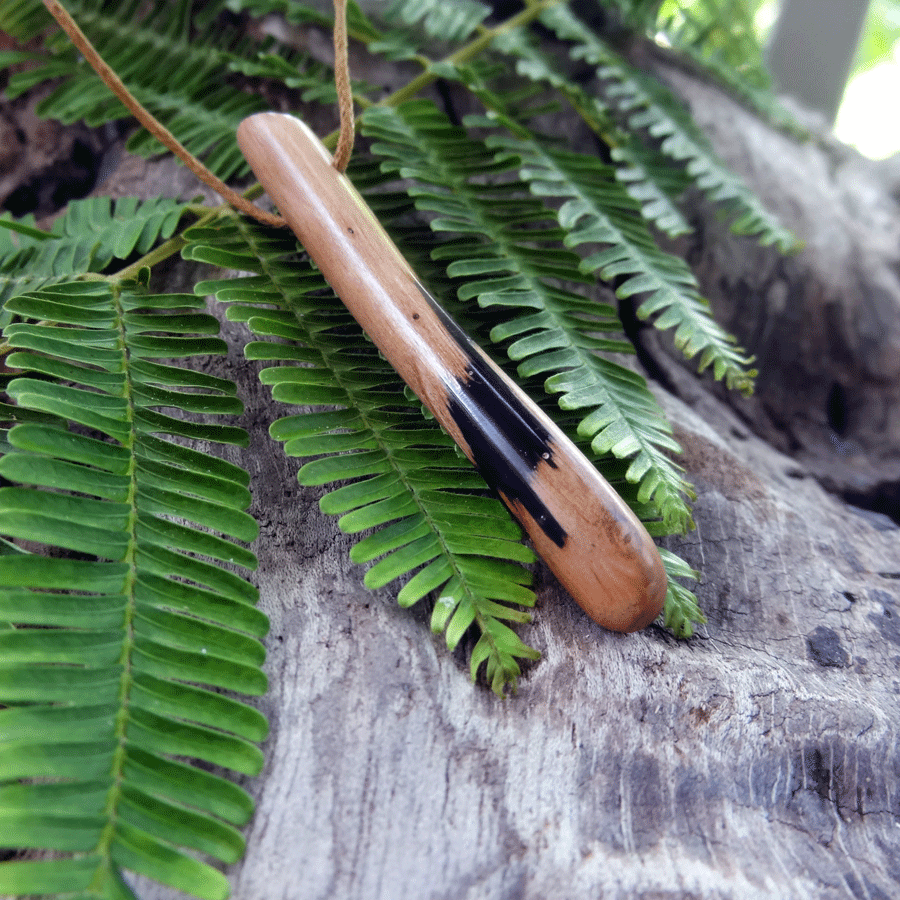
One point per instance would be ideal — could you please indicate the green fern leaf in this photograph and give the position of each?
(646, 105)
(23, 19)
(86, 238)
(313, 80)
(423, 503)
(16, 234)
(647, 172)
(114, 660)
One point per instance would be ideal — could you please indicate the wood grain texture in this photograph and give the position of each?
(590, 539)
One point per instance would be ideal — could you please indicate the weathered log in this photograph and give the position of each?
(758, 759)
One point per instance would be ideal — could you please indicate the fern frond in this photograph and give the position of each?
(425, 502)
(111, 670)
(314, 81)
(720, 37)
(86, 238)
(504, 256)
(646, 105)
(721, 28)
(596, 210)
(647, 176)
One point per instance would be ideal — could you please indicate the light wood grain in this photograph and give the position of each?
(588, 536)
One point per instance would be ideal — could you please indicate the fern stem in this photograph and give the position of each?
(120, 729)
(157, 255)
(468, 52)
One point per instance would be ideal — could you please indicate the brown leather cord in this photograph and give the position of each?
(344, 91)
(162, 134)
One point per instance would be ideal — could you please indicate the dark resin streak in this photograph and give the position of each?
(507, 442)
(506, 447)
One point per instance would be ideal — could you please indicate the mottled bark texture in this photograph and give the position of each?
(760, 758)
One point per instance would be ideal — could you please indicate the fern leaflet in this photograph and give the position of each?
(112, 665)
(86, 238)
(443, 21)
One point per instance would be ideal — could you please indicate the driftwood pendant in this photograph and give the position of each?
(587, 535)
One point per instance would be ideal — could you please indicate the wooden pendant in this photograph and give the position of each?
(585, 532)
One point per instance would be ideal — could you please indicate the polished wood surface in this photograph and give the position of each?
(587, 535)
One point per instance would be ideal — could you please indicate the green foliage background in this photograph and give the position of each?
(128, 619)
(880, 34)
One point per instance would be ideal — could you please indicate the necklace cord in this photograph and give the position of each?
(344, 91)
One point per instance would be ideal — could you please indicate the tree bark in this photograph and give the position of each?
(758, 759)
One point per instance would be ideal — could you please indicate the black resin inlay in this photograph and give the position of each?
(507, 440)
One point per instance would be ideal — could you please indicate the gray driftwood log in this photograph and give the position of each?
(759, 759)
